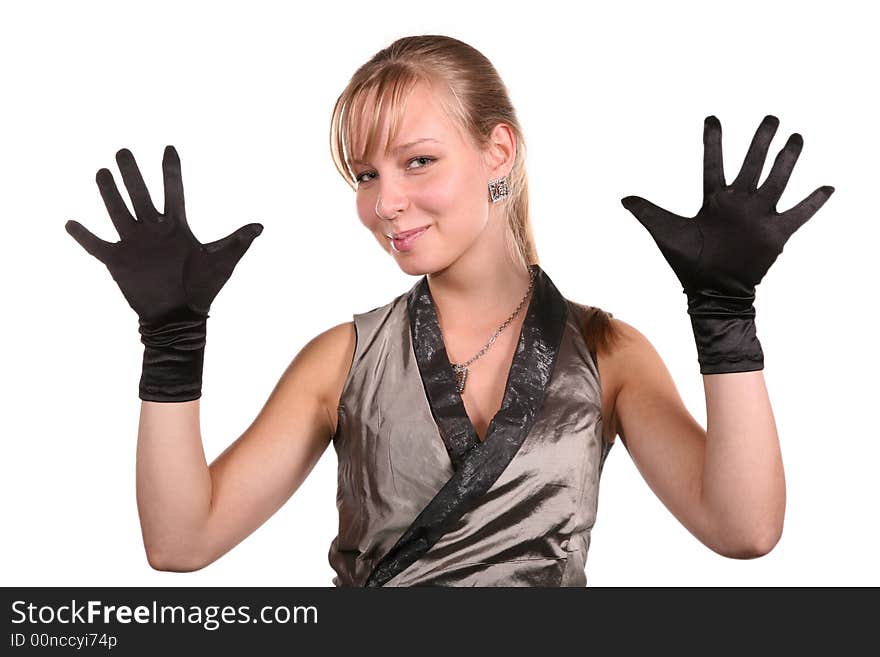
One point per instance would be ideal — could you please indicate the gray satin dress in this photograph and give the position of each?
(422, 501)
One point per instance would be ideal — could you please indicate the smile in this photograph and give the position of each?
(407, 239)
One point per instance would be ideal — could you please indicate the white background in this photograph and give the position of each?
(612, 97)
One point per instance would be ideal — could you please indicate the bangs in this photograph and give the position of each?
(362, 117)
(360, 111)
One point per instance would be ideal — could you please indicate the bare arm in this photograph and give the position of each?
(725, 485)
(191, 513)
(743, 476)
(173, 480)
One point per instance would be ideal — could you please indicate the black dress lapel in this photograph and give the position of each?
(477, 464)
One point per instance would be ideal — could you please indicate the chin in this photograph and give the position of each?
(421, 265)
(413, 266)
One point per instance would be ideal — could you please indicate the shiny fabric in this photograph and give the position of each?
(722, 253)
(421, 500)
(168, 277)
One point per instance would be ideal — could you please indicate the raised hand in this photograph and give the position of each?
(159, 264)
(167, 276)
(722, 253)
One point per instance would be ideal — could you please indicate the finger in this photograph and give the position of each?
(97, 247)
(233, 246)
(654, 218)
(174, 205)
(793, 219)
(754, 160)
(224, 258)
(782, 168)
(678, 238)
(119, 214)
(713, 162)
(134, 183)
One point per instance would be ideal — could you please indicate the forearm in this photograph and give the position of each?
(743, 482)
(173, 483)
(170, 279)
(719, 256)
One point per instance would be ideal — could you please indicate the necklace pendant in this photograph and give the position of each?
(460, 377)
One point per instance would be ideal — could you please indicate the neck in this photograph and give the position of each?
(476, 293)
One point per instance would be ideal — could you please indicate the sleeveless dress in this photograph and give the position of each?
(422, 501)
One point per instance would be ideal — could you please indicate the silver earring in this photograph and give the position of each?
(498, 189)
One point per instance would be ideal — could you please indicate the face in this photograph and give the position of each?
(439, 184)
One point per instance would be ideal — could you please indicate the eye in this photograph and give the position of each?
(423, 157)
(426, 158)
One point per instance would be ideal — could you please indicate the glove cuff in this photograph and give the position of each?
(725, 333)
(174, 352)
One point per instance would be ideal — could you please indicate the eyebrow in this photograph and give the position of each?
(401, 147)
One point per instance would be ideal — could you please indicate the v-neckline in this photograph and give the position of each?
(476, 465)
(545, 308)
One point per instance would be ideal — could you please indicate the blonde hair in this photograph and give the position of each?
(470, 91)
(474, 97)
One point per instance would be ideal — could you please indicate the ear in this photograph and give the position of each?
(500, 154)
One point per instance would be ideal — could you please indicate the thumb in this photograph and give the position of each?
(649, 215)
(237, 242)
(680, 239)
(94, 245)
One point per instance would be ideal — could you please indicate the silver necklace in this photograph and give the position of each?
(461, 370)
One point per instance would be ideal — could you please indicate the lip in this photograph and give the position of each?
(405, 243)
(406, 233)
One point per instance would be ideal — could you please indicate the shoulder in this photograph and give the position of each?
(600, 330)
(329, 345)
(332, 351)
(637, 375)
(320, 368)
(625, 351)
(607, 335)
(620, 351)
(631, 350)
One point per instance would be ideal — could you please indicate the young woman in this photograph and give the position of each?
(472, 414)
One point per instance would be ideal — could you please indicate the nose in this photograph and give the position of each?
(390, 202)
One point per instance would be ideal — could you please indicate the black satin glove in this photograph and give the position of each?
(720, 255)
(165, 274)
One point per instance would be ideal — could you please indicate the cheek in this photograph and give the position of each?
(455, 192)
(366, 210)
(438, 195)
(453, 197)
